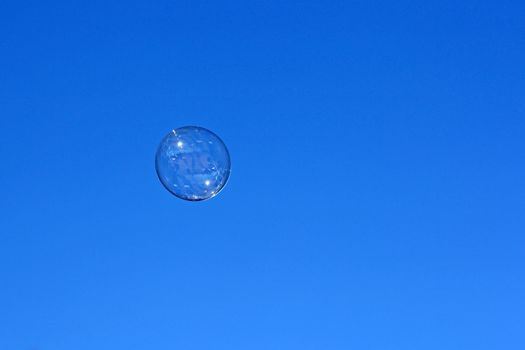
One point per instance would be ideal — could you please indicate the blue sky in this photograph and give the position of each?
(377, 193)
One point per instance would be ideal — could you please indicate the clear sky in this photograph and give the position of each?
(377, 196)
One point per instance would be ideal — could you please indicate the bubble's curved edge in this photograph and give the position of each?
(190, 199)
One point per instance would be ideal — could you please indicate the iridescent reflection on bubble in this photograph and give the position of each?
(193, 163)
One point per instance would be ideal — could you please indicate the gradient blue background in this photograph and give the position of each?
(377, 197)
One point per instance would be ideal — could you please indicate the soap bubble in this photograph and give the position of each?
(193, 163)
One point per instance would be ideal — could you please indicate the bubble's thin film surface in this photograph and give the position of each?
(193, 163)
